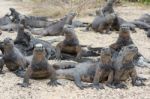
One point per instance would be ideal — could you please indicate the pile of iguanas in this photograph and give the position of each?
(27, 56)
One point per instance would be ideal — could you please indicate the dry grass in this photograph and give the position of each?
(57, 8)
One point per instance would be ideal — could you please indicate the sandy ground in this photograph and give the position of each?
(39, 88)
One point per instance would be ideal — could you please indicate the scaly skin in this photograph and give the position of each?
(124, 67)
(13, 58)
(56, 28)
(40, 68)
(86, 71)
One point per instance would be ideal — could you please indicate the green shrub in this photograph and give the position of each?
(145, 1)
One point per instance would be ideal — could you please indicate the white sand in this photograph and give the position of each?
(40, 90)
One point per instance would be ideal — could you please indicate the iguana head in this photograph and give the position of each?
(124, 31)
(8, 43)
(128, 53)
(39, 51)
(106, 56)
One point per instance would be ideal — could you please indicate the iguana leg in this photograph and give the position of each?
(79, 52)
(58, 50)
(1, 66)
(88, 27)
(110, 79)
(100, 29)
(117, 83)
(27, 77)
(78, 82)
(31, 46)
(108, 30)
(53, 79)
(135, 80)
(98, 75)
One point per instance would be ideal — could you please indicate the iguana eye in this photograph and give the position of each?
(130, 47)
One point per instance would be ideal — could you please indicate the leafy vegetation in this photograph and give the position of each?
(145, 1)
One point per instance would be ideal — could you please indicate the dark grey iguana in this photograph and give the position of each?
(125, 39)
(77, 24)
(26, 42)
(102, 23)
(40, 68)
(36, 22)
(70, 45)
(55, 28)
(5, 20)
(148, 33)
(9, 27)
(145, 18)
(124, 67)
(118, 22)
(16, 16)
(141, 25)
(30, 21)
(107, 9)
(86, 71)
(13, 58)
